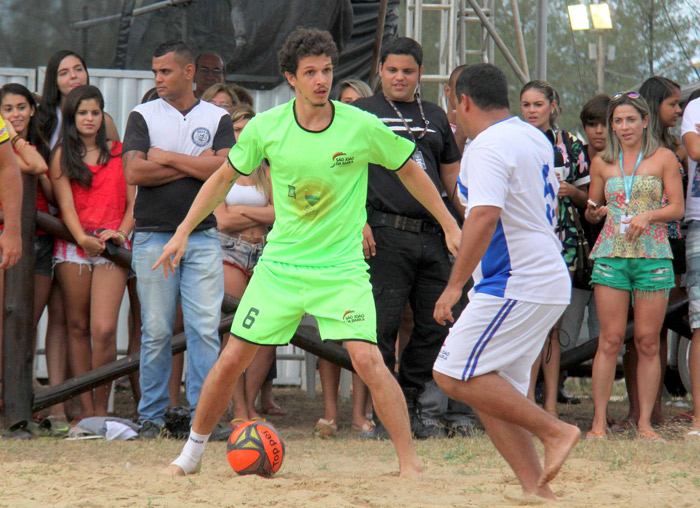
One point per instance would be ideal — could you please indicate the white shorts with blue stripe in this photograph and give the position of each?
(497, 335)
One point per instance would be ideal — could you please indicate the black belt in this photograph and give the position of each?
(403, 223)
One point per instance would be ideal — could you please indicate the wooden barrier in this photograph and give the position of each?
(18, 318)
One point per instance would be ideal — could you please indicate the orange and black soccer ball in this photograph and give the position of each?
(255, 447)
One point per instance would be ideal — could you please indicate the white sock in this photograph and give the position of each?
(192, 452)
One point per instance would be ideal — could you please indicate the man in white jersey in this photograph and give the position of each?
(521, 284)
(691, 140)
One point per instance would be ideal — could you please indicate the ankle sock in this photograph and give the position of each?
(192, 452)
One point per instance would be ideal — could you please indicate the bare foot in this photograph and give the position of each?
(413, 471)
(173, 470)
(556, 450)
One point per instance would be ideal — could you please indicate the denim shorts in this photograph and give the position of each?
(634, 274)
(240, 253)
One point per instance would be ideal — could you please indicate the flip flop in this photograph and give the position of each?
(596, 434)
(325, 428)
(236, 422)
(650, 435)
(274, 411)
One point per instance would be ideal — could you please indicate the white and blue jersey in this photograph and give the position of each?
(510, 166)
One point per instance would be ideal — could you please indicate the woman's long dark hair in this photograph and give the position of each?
(51, 95)
(655, 90)
(72, 147)
(34, 134)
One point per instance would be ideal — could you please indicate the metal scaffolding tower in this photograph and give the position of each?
(457, 20)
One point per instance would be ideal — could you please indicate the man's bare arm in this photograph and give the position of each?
(139, 171)
(11, 199)
(448, 177)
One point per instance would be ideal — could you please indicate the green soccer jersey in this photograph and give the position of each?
(319, 179)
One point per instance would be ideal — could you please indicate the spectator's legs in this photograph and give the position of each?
(330, 380)
(175, 381)
(359, 403)
(418, 357)
(201, 294)
(158, 296)
(57, 346)
(613, 322)
(392, 271)
(108, 283)
(694, 367)
(134, 335)
(649, 312)
(255, 377)
(76, 282)
(551, 359)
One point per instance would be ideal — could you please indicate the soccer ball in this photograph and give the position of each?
(255, 448)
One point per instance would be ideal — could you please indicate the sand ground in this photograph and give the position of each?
(346, 471)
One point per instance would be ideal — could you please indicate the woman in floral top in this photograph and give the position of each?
(632, 254)
(663, 97)
(539, 103)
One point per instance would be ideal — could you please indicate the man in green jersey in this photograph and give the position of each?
(313, 262)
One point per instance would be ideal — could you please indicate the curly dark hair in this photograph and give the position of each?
(304, 42)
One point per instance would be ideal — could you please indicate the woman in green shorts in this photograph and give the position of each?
(632, 254)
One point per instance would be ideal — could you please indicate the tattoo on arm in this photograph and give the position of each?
(129, 156)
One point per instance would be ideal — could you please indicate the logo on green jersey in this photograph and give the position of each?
(342, 159)
(350, 316)
(291, 191)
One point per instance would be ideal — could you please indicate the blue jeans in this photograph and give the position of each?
(199, 282)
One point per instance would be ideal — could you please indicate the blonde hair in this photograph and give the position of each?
(611, 154)
(258, 177)
(216, 88)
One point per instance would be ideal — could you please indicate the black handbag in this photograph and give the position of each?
(583, 266)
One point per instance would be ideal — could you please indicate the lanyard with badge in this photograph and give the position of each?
(417, 155)
(628, 184)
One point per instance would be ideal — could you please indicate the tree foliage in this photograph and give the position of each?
(646, 37)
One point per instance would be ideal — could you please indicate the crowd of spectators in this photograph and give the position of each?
(620, 219)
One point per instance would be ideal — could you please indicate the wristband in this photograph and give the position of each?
(123, 235)
(14, 139)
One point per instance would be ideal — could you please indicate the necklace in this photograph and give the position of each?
(628, 181)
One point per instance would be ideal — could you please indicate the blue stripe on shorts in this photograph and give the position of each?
(490, 331)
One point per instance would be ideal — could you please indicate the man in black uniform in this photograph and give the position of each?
(403, 243)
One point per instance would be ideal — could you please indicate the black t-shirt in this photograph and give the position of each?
(158, 124)
(385, 191)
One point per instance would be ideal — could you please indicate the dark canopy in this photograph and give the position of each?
(248, 33)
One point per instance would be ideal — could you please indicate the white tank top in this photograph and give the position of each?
(245, 195)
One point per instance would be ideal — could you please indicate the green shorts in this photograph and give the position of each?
(279, 294)
(634, 274)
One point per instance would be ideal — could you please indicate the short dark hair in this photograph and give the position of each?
(304, 42)
(455, 74)
(181, 50)
(402, 46)
(485, 84)
(595, 111)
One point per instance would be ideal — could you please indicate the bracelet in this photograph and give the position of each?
(122, 234)
(14, 139)
(17, 146)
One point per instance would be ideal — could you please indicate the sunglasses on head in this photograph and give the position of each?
(631, 95)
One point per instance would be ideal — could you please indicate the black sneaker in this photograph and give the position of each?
(459, 429)
(429, 432)
(564, 397)
(220, 433)
(150, 430)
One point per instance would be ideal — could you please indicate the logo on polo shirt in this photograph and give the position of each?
(342, 159)
(201, 136)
